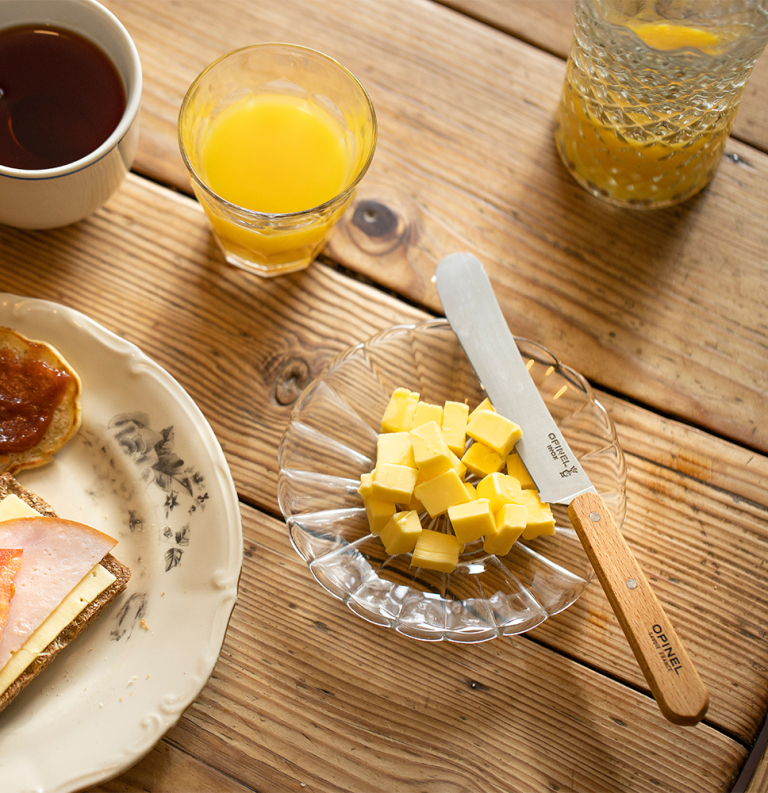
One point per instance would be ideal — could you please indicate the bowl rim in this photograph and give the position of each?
(293, 519)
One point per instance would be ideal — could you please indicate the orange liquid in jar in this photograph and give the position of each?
(634, 154)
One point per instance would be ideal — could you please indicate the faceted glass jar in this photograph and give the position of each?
(650, 93)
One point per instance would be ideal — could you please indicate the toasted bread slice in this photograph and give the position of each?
(67, 413)
(122, 574)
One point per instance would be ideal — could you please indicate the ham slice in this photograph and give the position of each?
(10, 562)
(57, 555)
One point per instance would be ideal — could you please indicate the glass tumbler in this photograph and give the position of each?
(650, 93)
(259, 100)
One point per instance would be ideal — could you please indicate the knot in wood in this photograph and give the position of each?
(375, 219)
(291, 380)
(379, 227)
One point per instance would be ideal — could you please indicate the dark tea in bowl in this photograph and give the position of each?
(70, 87)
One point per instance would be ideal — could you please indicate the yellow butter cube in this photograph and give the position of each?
(398, 415)
(471, 489)
(540, 519)
(499, 489)
(393, 482)
(531, 498)
(442, 492)
(414, 505)
(436, 551)
(510, 523)
(481, 460)
(366, 484)
(395, 447)
(425, 412)
(454, 426)
(494, 430)
(516, 468)
(378, 513)
(401, 532)
(484, 405)
(430, 452)
(472, 520)
(458, 466)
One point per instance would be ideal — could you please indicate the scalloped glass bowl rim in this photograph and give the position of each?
(292, 518)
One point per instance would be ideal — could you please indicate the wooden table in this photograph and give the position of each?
(665, 312)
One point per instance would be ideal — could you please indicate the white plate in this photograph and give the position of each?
(113, 693)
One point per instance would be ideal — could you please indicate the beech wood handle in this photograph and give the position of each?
(675, 684)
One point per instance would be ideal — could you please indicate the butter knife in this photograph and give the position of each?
(475, 316)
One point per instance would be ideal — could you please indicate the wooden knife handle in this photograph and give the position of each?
(675, 684)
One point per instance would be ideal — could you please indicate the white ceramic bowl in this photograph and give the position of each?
(59, 196)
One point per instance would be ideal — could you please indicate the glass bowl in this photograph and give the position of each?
(331, 440)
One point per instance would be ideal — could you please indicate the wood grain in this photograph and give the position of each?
(668, 307)
(146, 268)
(758, 782)
(167, 769)
(692, 536)
(548, 24)
(308, 697)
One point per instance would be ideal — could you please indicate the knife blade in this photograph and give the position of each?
(471, 308)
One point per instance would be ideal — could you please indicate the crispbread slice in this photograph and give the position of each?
(67, 415)
(8, 485)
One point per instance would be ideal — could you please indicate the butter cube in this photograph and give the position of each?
(484, 405)
(378, 513)
(540, 519)
(442, 492)
(471, 489)
(510, 523)
(499, 489)
(393, 482)
(425, 412)
(401, 532)
(436, 551)
(366, 484)
(459, 466)
(395, 447)
(472, 520)
(531, 498)
(516, 468)
(398, 415)
(454, 426)
(414, 505)
(494, 430)
(481, 460)
(430, 452)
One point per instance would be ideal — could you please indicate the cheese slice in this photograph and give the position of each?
(89, 588)
(86, 591)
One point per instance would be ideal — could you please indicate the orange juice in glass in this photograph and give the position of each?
(276, 138)
(650, 93)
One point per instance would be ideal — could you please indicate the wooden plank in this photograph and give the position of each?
(698, 512)
(307, 696)
(698, 543)
(166, 769)
(758, 782)
(548, 24)
(669, 307)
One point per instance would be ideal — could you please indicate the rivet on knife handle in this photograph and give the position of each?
(674, 682)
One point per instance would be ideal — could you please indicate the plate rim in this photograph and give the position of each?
(158, 717)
